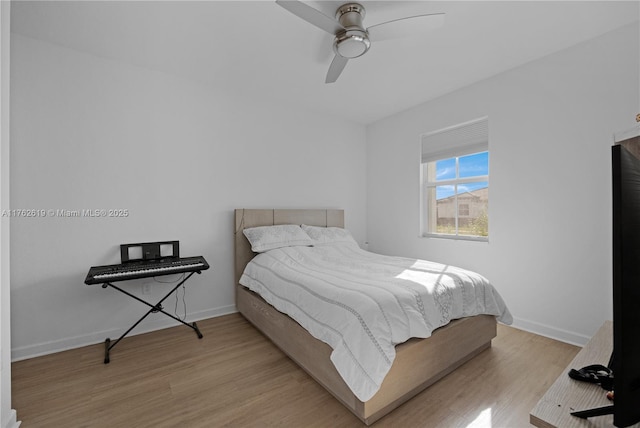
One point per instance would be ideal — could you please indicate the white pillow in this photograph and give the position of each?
(328, 235)
(263, 238)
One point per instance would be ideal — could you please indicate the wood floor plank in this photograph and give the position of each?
(236, 377)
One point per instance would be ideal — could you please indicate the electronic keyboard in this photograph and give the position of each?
(145, 269)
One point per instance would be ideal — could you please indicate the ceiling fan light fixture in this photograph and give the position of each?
(351, 38)
(351, 44)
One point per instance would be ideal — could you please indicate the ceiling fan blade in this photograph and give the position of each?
(312, 16)
(336, 67)
(405, 27)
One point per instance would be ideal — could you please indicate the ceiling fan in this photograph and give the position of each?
(351, 38)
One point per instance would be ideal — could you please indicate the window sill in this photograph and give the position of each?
(456, 237)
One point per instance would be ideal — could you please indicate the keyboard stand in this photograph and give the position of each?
(154, 308)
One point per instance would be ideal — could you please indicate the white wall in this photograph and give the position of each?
(7, 414)
(93, 133)
(550, 127)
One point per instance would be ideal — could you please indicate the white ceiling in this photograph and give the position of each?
(259, 49)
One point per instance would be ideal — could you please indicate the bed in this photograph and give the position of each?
(418, 363)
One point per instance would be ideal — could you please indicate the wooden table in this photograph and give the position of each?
(567, 395)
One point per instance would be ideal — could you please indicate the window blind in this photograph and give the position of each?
(459, 140)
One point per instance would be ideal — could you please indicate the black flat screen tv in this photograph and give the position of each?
(625, 359)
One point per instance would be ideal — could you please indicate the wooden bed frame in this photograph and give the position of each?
(419, 362)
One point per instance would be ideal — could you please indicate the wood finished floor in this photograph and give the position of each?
(235, 377)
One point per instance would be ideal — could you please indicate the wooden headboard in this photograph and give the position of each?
(246, 218)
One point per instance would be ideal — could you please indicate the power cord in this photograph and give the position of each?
(184, 293)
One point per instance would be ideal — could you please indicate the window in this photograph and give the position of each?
(455, 182)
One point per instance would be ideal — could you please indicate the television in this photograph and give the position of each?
(625, 358)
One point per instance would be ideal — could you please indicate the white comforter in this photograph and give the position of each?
(362, 304)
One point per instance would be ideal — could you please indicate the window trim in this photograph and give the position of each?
(461, 141)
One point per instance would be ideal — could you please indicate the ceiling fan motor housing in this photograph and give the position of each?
(354, 41)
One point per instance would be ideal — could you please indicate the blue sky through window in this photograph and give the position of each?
(473, 165)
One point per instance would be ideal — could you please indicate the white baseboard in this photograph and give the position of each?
(551, 332)
(13, 421)
(65, 344)
(44, 348)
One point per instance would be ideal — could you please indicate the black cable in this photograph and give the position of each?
(184, 293)
(184, 304)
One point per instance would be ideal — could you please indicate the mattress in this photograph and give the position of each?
(362, 304)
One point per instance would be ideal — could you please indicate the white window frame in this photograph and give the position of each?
(452, 142)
